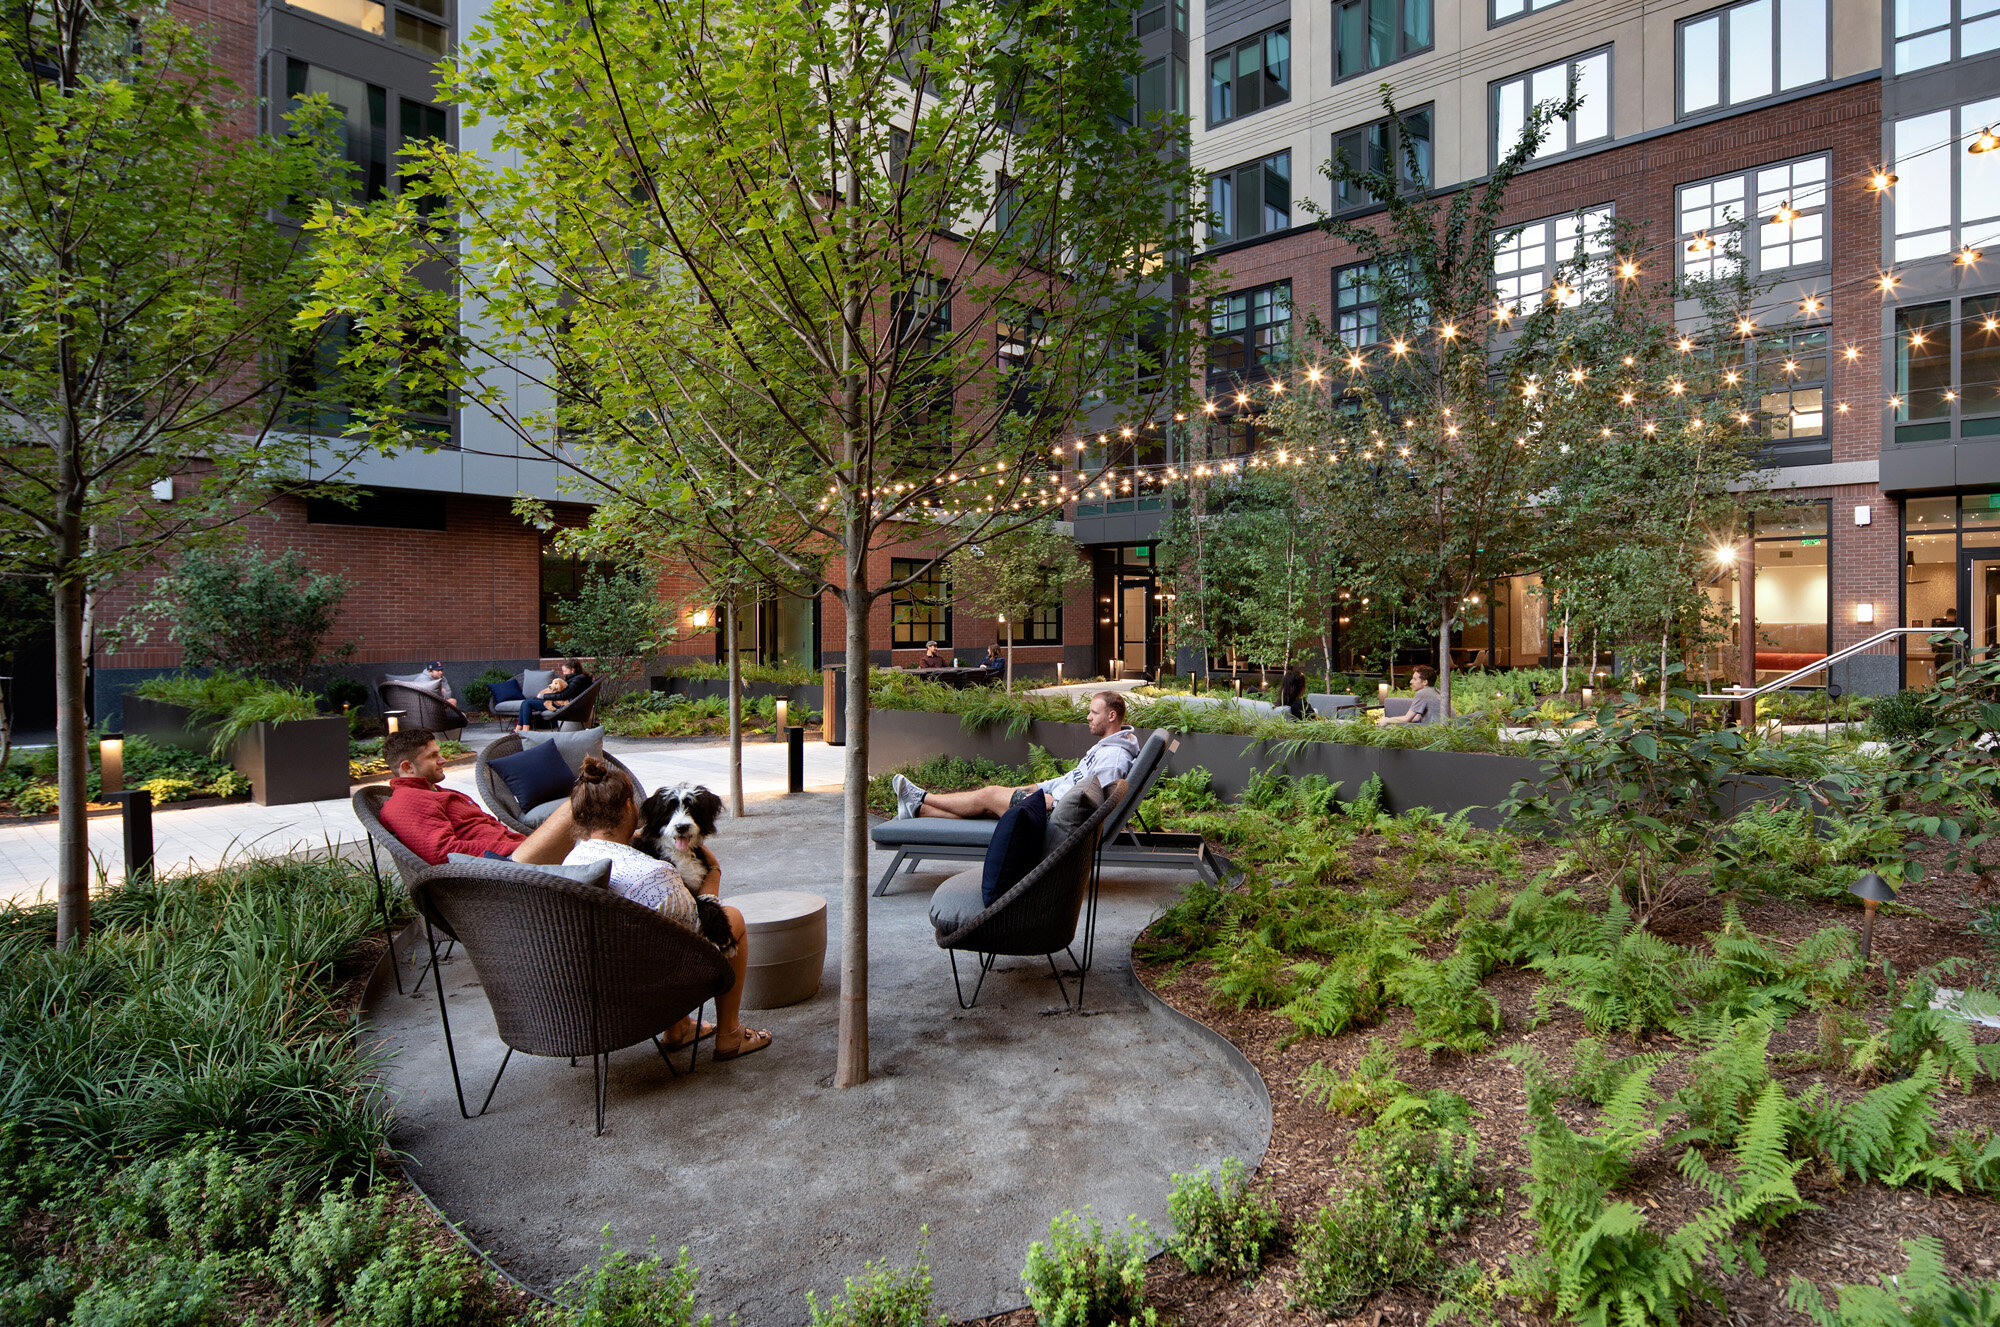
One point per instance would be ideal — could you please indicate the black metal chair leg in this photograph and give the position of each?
(444, 1015)
(496, 1080)
(431, 967)
(986, 962)
(1059, 981)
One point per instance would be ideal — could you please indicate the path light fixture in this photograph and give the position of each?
(111, 763)
(1588, 695)
(778, 730)
(395, 718)
(1873, 891)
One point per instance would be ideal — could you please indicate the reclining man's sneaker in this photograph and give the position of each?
(908, 797)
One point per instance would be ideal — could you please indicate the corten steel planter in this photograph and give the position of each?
(301, 761)
(705, 688)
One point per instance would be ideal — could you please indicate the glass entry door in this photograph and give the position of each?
(1980, 593)
(1134, 637)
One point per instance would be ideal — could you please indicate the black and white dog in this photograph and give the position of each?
(673, 825)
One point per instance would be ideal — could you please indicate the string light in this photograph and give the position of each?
(1882, 181)
(1628, 269)
(1701, 243)
(1744, 327)
(1968, 256)
(1985, 141)
(1785, 215)
(1889, 281)
(1811, 304)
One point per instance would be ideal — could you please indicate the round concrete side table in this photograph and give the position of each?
(786, 931)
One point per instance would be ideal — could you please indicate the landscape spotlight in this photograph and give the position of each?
(111, 763)
(1873, 891)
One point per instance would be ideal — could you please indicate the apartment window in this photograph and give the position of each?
(1926, 31)
(1245, 78)
(1161, 89)
(420, 25)
(1750, 51)
(1357, 304)
(1948, 370)
(923, 314)
(1786, 374)
(1945, 198)
(1526, 261)
(1041, 627)
(1249, 332)
(1373, 33)
(1788, 203)
(1149, 16)
(1385, 148)
(1007, 210)
(1587, 76)
(420, 124)
(1250, 200)
(1503, 10)
(362, 126)
(921, 610)
(1018, 340)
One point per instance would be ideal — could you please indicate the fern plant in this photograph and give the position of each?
(1725, 1080)
(1628, 980)
(1887, 1135)
(1923, 1295)
(1450, 1010)
(1368, 1090)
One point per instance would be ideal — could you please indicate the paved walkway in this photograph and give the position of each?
(978, 1126)
(205, 836)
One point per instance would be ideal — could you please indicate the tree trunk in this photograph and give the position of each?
(1010, 661)
(735, 709)
(1444, 656)
(72, 762)
(1565, 658)
(1666, 630)
(851, 1061)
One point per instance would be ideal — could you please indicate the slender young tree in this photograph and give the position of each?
(925, 239)
(1016, 574)
(144, 293)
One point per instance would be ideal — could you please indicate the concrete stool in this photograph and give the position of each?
(786, 930)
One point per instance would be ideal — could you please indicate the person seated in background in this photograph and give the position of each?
(548, 703)
(1109, 760)
(434, 670)
(433, 821)
(933, 657)
(996, 659)
(1427, 706)
(605, 809)
(1292, 691)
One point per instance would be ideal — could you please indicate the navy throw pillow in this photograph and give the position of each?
(507, 690)
(535, 775)
(1016, 846)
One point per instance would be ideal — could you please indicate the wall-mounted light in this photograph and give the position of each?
(698, 619)
(111, 763)
(163, 490)
(1864, 612)
(1863, 515)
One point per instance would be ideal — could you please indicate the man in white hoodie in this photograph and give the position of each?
(1109, 760)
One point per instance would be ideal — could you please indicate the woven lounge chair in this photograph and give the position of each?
(499, 798)
(569, 969)
(1038, 915)
(577, 710)
(924, 839)
(420, 708)
(368, 801)
(1328, 706)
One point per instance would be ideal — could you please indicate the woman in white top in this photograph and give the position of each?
(607, 815)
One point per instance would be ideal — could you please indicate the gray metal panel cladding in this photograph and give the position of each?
(1231, 20)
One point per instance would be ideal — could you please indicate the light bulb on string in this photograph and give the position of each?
(1986, 140)
(1968, 256)
(1882, 181)
(1785, 215)
(1744, 327)
(1811, 304)
(1628, 269)
(1701, 243)
(1889, 281)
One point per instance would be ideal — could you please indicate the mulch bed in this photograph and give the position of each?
(1855, 1235)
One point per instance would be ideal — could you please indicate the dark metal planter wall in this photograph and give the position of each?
(301, 761)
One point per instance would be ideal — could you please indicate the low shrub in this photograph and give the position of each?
(343, 692)
(627, 1291)
(1223, 1226)
(1899, 716)
(884, 1296)
(1082, 1277)
(479, 691)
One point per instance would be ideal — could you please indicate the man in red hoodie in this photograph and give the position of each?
(432, 820)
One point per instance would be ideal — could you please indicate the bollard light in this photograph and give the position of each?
(395, 718)
(1059, 672)
(111, 763)
(1873, 891)
(777, 732)
(1587, 697)
(1382, 691)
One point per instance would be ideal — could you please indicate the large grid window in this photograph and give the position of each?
(1249, 332)
(1150, 16)
(1788, 201)
(1787, 376)
(1948, 370)
(1373, 33)
(1502, 10)
(1927, 29)
(1041, 627)
(1161, 89)
(921, 610)
(1357, 304)
(1588, 76)
(1526, 261)
(421, 25)
(1384, 147)
(1945, 197)
(1750, 51)
(1245, 78)
(362, 130)
(1250, 200)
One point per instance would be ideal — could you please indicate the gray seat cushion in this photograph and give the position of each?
(957, 901)
(534, 679)
(1333, 706)
(1070, 813)
(505, 707)
(921, 832)
(574, 745)
(542, 811)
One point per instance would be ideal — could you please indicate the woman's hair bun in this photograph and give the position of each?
(593, 770)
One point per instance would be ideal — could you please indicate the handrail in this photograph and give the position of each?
(1838, 656)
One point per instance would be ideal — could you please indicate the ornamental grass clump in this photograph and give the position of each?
(1223, 1225)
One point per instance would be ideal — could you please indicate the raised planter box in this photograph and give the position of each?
(302, 761)
(704, 689)
(1443, 781)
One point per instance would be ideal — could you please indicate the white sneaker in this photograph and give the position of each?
(908, 797)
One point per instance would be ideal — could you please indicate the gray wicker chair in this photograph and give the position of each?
(577, 710)
(368, 801)
(569, 969)
(421, 708)
(499, 798)
(1038, 915)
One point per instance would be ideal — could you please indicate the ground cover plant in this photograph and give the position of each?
(169, 773)
(657, 714)
(1714, 1113)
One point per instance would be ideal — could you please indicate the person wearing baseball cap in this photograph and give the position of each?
(435, 668)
